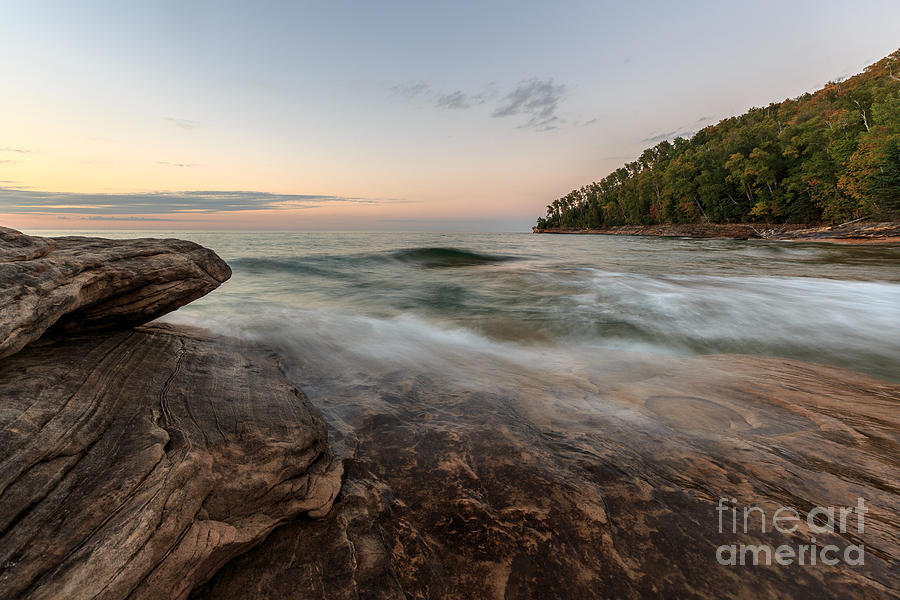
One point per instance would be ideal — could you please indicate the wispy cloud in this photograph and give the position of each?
(658, 137)
(669, 135)
(455, 100)
(617, 158)
(536, 98)
(175, 164)
(411, 90)
(102, 218)
(183, 123)
(14, 149)
(682, 132)
(28, 201)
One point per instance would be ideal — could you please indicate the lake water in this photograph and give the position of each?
(524, 408)
(458, 303)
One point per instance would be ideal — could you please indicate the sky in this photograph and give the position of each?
(452, 116)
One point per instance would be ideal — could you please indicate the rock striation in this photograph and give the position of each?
(135, 462)
(163, 462)
(605, 490)
(854, 232)
(78, 283)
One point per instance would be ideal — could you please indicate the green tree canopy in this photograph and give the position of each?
(829, 156)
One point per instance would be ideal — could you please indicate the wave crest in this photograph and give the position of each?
(329, 266)
(432, 257)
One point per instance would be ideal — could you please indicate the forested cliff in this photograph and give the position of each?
(828, 156)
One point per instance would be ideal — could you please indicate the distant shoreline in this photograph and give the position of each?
(862, 233)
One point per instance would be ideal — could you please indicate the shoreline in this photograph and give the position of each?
(859, 233)
(167, 461)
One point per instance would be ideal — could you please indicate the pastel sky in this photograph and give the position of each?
(379, 115)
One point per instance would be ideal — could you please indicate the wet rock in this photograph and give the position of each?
(78, 284)
(136, 463)
(605, 489)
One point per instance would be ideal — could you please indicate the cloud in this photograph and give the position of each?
(183, 123)
(669, 135)
(617, 158)
(455, 100)
(13, 150)
(658, 137)
(682, 132)
(411, 90)
(174, 164)
(101, 218)
(460, 100)
(536, 98)
(28, 201)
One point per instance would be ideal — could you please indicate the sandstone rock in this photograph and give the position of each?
(604, 490)
(146, 463)
(77, 283)
(135, 463)
(16, 246)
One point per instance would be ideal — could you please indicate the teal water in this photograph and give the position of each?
(432, 302)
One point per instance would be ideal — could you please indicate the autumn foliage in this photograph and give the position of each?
(828, 156)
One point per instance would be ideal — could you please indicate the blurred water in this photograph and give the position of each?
(465, 303)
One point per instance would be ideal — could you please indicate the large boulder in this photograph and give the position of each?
(135, 463)
(79, 283)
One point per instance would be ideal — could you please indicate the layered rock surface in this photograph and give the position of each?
(608, 489)
(80, 283)
(143, 463)
(135, 462)
(853, 232)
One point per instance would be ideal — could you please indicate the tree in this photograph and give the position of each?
(832, 155)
